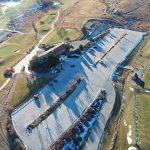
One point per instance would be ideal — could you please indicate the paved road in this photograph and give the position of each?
(27, 58)
(7, 30)
(96, 77)
(25, 61)
(4, 84)
(3, 106)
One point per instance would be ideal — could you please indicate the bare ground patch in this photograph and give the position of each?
(75, 16)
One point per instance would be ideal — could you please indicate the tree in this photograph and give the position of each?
(67, 47)
(84, 30)
(45, 63)
(47, 2)
(34, 27)
(53, 60)
(81, 47)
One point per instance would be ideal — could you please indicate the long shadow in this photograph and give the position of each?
(92, 52)
(73, 98)
(99, 125)
(99, 48)
(105, 40)
(102, 118)
(41, 140)
(47, 96)
(70, 116)
(97, 128)
(49, 132)
(73, 106)
(88, 59)
(37, 102)
(112, 36)
(122, 48)
(85, 62)
(111, 62)
(59, 127)
(83, 70)
(129, 41)
(101, 42)
(55, 115)
(126, 42)
(92, 136)
(89, 100)
(83, 104)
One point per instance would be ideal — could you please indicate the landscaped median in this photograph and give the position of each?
(54, 106)
(75, 136)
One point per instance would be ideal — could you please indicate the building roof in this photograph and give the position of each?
(57, 50)
(76, 44)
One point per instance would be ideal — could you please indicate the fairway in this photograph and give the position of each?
(28, 89)
(128, 118)
(144, 105)
(82, 97)
(14, 11)
(75, 74)
(7, 50)
(73, 17)
(147, 79)
(44, 24)
(60, 35)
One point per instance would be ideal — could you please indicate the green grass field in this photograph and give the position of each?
(122, 143)
(57, 37)
(18, 95)
(17, 42)
(112, 121)
(24, 91)
(67, 3)
(7, 50)
(23, 42)
(128, 118)
(147, 78)
(43, 25)
(144, 124)
(128, 113)
(15, 11)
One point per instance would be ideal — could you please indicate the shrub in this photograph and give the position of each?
(81, 128)
(60, 144)
(91, 111)
(41, 22)
(88, 117)
(75, 130)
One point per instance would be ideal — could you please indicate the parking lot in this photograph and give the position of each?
(110, 51)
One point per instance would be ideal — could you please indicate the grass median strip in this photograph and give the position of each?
(54, 106)
(75, 136)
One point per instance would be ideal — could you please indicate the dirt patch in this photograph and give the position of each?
(133, 14)
(127, 5)
(138, 12)
(80, 12)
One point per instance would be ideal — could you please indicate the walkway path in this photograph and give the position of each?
(3, 114)
(25, 61)
(8, 30)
